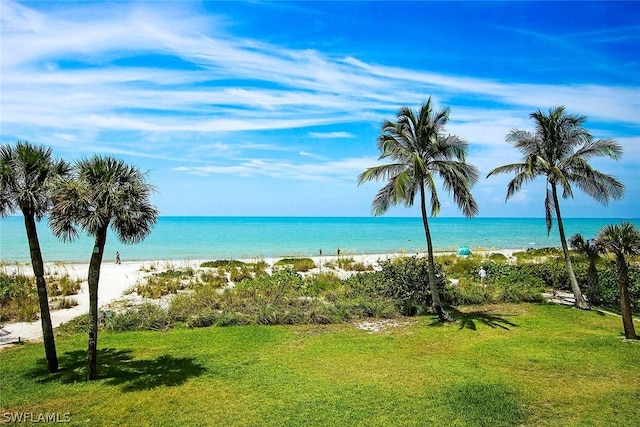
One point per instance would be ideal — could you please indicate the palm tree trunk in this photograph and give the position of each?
(94, 277)
(436, 304)
(577, 293)
(43, 300)
(625, 305)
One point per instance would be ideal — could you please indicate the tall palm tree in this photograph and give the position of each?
(589, 249)
(622, 240)
(26, 175)
(103, 192)
(559, 150)
(420, 153)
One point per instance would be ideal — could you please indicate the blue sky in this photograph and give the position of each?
(273, 108)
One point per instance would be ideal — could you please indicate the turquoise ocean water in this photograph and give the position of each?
(175, 238)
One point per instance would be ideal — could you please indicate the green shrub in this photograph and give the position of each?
(238, 274)
(406, 281)
(142, 317)
(18, 298)
(533, 254)
(61, 284)
(363, 306)
(520, 285)
(284, 283)
(223, 263)
(298, 264)
(320, 283)
(608, 288)
(214, 279)
(463, 267)
(468, 292)
(497, 257)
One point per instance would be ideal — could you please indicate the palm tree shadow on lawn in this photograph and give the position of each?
(468, 320)
(119, 368)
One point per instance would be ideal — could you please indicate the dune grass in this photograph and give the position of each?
(500, 365)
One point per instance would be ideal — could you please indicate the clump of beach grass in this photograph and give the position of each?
(297, 264)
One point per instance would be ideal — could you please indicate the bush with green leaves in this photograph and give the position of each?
(143, 317)
(222, 263)
(297, 264)
(469, 292)
(406, 280)
(521, 287)
(609, 290)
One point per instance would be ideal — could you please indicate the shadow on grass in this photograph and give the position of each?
(469, 320)
(119, 368)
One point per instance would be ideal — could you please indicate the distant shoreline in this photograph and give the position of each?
(176, 238)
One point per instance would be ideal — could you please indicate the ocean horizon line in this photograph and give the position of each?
(19, 215)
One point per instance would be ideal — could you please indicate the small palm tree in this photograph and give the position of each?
(103, 192)
(27, 173)
(622, 240)
(421, 152)
(589, 249)
(559, 150)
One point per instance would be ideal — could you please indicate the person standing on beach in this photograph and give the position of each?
(118, 258)
(483, 274)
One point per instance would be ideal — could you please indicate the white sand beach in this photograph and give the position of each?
(116, 279)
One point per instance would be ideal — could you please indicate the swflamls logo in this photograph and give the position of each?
(36, 417)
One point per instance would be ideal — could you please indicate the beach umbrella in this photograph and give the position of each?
(464, 251)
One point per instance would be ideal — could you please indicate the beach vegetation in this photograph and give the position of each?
(348, 264)
(609, 289)
(63, 302)
(622, 240)
(421, 155)
(102, 193)
(223, 263)
(297, 264)
(319, 283)
(18, 298)
(63, 285)
(19, 295)
(537, 254)
(468, 291)
(27, 175)
(497, 257)
(405, 280)
(559, 150)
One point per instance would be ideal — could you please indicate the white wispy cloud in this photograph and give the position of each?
(73, 78)
(331, 135)
(314, 89)
(344, 169)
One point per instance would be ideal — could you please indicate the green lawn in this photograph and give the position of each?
(533, 365)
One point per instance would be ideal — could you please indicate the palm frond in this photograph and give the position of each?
(382, 172)
(432, 194)
(621, 239)
(549, 209)
(599, 148)
(513, 167)
(599, 186)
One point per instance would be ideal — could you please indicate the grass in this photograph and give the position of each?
(502, 365)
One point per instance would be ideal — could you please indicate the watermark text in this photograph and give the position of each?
(36, 417)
